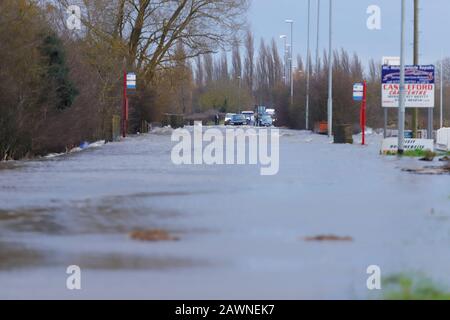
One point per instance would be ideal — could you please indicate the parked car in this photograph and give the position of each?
(228, 117)
(266, 121)
(238, 120)
(250, 116)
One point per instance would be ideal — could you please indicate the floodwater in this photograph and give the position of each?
(241, 235)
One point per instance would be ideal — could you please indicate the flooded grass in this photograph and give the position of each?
(413, 287)
(39, 220)
(10, 165)
(14, 255)
(431, 170)
(119, 261)
(110, 215)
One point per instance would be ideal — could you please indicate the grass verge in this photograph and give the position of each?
(412, 287)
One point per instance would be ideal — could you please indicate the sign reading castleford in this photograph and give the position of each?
(419, 86)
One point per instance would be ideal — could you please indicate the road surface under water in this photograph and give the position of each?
(241, 235)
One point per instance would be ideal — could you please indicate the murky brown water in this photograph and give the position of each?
(240, 235)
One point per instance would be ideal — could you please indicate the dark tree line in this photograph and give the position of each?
(60, 87)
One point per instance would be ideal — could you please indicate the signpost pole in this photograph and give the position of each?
(385, 122)
(308, 66)
(401, 109)
(363, 114)
(441, 118)
(124, 106)
(415, 112)
(330, 72)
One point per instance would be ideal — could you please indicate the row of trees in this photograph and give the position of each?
(258, 77)
(59, 87)
(247, 76)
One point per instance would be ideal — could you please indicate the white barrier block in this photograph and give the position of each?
(443, 139)
(390, 145)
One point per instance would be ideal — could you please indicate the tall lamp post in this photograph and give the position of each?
(291, 66)
(308, 66)
(401, 109)
(284, 37)
(239, 94)
(318, 35)
(441, 120)
(330, 73)
(415, 111)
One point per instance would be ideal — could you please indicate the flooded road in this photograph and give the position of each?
(240, 235)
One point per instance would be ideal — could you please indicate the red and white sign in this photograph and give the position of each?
(419, 86)
(417, 95)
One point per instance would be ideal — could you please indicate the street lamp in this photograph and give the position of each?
(239, 94)
(318, 35)
(291, 22)
(330, 73)
(401, 109)
(284, 37)
(441, 122)
(308, 61)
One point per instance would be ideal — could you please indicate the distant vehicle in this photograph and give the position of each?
(266, 121)
(228, 117)
(238, 120)
(272, 113)
(250, 116)
(260, 111)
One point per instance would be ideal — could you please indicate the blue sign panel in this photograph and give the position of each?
(419, 86)
(131, 80)
(413, 74)
(358, 91)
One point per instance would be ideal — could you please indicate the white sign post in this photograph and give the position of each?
(390, 145)
(131, 81)
(419, 93)
(358, 92)
(419, 86)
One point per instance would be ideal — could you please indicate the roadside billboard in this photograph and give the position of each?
(419, 86)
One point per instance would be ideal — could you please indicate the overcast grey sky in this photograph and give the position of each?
(267, 17)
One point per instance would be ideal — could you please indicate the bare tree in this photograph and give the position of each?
(236, 61)
(209, 68)
(249, 63)
(147, 31)
(199, 73)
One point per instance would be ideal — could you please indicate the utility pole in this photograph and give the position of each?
(441, 122)
(308, 65)
(415, 115)
(239, 94)
(124, 102)
(401, 109)
(284, 37)
(291, 66)
(330, 73)
(318, 35)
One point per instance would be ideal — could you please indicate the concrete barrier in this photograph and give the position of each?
(443, 139)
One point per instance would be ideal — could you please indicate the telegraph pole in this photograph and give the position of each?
(330, 73)
(401, 109)
(441, 122)
(415, 114)
(291, 65)
(285, 78)
(318, 35)
(308, 65)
